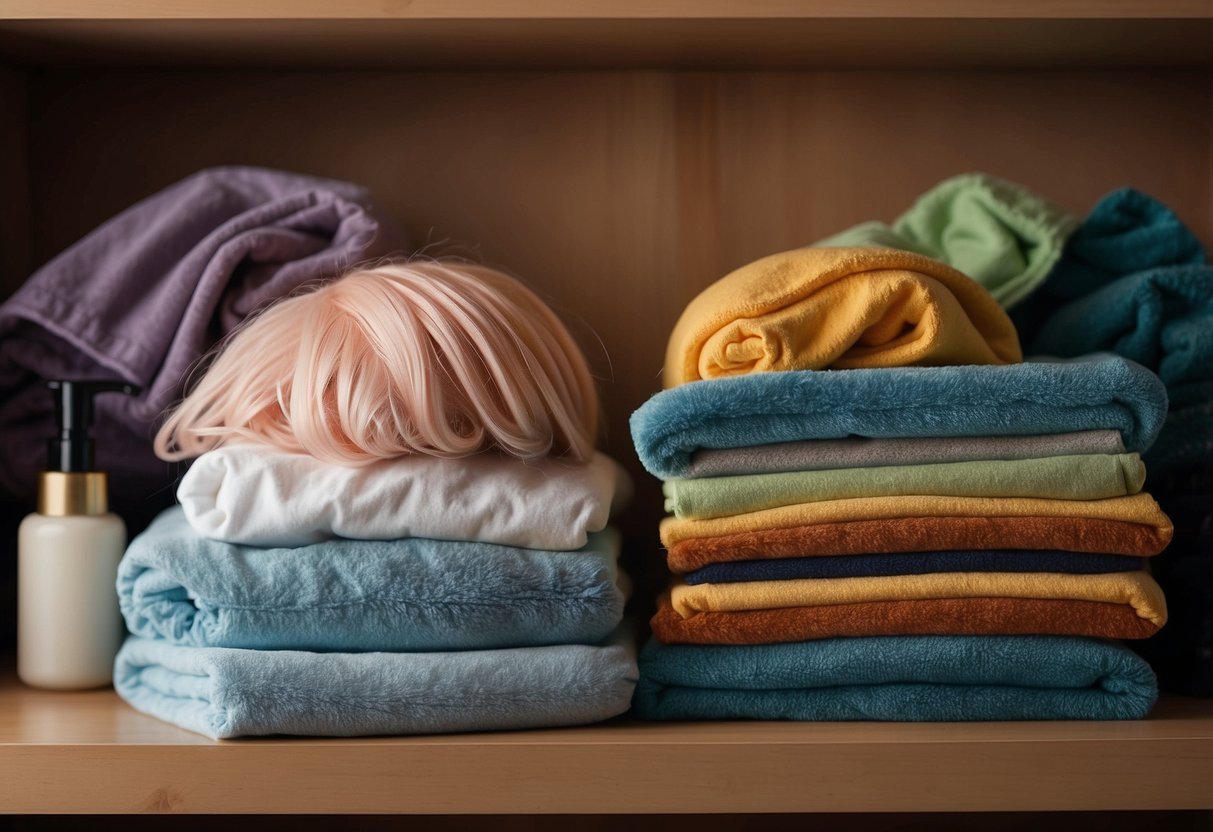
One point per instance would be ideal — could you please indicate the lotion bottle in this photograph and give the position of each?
(68, 625)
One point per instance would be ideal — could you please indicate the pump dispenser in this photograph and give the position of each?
(68, 625)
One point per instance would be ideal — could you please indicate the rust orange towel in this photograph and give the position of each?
(818, 308)
(928, 616)
(925, 534)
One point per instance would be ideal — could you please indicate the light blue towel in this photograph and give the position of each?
(897, 678)
(226, 693)
(355, 595)
(1096, 392)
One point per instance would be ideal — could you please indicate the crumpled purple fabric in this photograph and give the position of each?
(145, 295)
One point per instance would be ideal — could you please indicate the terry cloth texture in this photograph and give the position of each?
(354, 595)
(257, 495)
(1162, 319)
(1082, 477)
(911, 563)
(1036, 398)
(925, 616)
(860, 452)
(902, 678)
(226, 693)
(818, 308)
(146, 294)
(997, 232)
(1135, 589)
(1140, 537)
(1139, 509)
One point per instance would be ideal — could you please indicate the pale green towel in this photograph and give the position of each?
(1079, 477)
(997, 232)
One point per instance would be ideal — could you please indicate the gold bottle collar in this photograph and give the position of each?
(64, 495)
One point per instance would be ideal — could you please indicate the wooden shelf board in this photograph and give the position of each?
(612, 41)
(600, 9)
(89, 752)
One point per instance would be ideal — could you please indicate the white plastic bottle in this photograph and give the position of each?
(68, 625)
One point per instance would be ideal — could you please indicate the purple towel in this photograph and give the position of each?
(145, 295)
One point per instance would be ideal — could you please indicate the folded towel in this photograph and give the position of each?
(1162, 319)
(1092, 393)
(258, 495)
(1134, 589)
(817, 308)
(918, 616)
(1140, 509)
(143, 296)
(997, 232)
(860, 452)
(1084, 477)
(911, 563)
(225, 693)
(905, 678)
(916, 534)
(354, 595)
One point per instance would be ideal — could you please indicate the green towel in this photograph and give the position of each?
(997, 232)
(1078, 477)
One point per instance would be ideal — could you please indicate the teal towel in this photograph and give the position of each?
(1093, 393)
(1162, 319)
(1126, 232)
(225, 693)
(896, 678)
(356, 595)
(997, 232)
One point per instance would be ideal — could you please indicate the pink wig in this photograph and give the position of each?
(438, 358)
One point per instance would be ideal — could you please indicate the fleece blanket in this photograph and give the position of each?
(143, 296)
(1139, 537)
(911, 563)
(355, 595)
(1134, 589)
(817, 308)
(1139, 508)
(900, 678)
(914, 616)
(1091, 393)
(257, 495)
(225, 693)
(997, 232)
(1079, 477)
(861, 452)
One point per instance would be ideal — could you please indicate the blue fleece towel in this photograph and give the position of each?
(897, 678)
(225, 693)
(1162, 319)
(355, 595)
(1095, 392)
(911, 563)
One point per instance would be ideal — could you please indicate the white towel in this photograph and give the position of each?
(260, 496)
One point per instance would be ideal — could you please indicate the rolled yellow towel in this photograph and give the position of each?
(842, 308)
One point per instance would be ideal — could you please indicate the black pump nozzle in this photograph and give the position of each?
(72, 451)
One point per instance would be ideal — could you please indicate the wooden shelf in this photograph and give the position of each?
(605, 34)
(89, 752)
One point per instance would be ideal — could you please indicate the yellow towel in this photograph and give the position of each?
(1140, 508)
(818, 308)
(1137, 589)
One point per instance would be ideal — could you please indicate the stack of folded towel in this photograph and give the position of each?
(883, 541)
(413, 595)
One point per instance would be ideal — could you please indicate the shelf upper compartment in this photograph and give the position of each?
(608, 34)
(89, 752)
